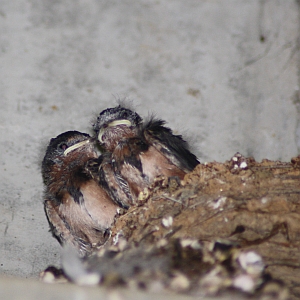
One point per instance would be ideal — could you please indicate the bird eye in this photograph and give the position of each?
(63, 146)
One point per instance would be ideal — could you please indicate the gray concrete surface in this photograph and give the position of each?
(223, 73)
(44, 291)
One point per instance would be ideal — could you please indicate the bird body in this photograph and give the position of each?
(79, 210)
(139, 152)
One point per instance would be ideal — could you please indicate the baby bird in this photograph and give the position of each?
(136, 153)
(78, 209)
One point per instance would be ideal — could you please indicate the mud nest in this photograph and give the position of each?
(227, 228)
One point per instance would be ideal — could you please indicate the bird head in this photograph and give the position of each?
(68, 150)
(115, 124)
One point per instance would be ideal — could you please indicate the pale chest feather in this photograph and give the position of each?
(155, 164)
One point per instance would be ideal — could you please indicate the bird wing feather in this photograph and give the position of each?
(174, 147)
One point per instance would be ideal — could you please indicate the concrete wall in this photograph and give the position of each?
(222, 72)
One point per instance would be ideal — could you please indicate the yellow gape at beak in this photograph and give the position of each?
(75, 146)
(112, 124)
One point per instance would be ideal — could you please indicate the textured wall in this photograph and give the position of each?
(223, 73)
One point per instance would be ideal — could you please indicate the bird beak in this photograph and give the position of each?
(76, 146)
(112, 124)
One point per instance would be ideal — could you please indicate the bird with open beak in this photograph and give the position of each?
(137, 152)
(79, 210)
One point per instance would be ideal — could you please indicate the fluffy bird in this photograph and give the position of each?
(136, 153)
(79, 210)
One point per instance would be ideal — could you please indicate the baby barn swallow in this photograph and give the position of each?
(140, 152)
(78, 209)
